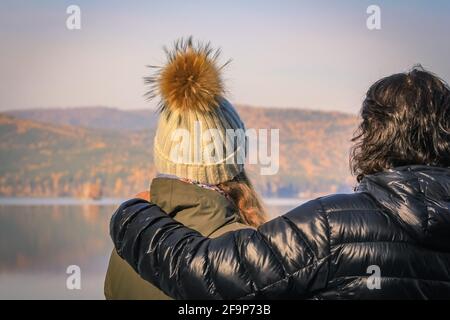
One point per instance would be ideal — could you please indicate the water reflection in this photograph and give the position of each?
(38, 242)
(47, 237)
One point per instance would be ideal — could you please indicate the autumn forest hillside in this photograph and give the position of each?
(100, 151)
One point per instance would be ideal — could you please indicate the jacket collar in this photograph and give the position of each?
(419, 198)
(198, 208)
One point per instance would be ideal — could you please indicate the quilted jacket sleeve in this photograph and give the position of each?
(286, 256)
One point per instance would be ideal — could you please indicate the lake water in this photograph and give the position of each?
(40, 238)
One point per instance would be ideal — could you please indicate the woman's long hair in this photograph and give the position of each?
(244, 196)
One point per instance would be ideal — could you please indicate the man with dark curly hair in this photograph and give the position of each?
(390, 239)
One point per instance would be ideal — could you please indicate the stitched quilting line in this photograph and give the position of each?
(273, 253)
(248, 276)
(426, 223)
(208, 271)
(328, 232)
(300, 235)
(316, 262)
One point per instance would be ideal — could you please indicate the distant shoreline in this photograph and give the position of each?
(29, 201)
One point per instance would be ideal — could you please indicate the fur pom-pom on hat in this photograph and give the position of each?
(190, 79)
(192, 99)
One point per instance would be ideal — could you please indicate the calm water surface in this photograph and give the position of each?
(40, 238)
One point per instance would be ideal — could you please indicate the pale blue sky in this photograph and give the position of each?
(304, 54)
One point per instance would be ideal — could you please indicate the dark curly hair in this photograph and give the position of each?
(405, 121)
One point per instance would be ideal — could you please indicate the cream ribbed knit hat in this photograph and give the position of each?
(199, 135)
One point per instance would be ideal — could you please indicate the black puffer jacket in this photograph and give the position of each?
(398, 221)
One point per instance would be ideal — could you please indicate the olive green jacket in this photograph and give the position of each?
(204, 210)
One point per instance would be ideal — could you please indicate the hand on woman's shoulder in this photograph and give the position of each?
(144, 195)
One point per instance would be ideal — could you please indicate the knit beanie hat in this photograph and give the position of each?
(199, 134)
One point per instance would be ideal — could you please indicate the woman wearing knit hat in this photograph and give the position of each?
(201, 180)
